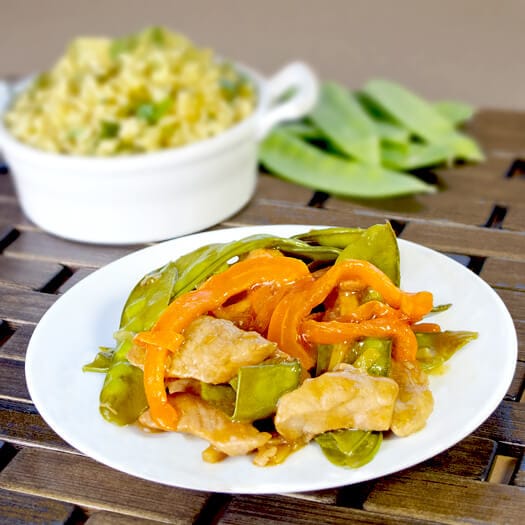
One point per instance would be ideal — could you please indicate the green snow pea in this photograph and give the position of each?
(456, 112)
(350, 448)
(221, 396)
(303, 130)
(375, 356)
(122, 398)
(259, 387)
(214, 259)
(407, 108)
(416, 155)
(343, 120)
(354, 448)
(299, 162)
(435, 348)
(376, 244)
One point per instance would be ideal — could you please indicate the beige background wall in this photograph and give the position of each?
(466, 49)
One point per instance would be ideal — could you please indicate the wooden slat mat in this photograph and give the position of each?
(478, 217)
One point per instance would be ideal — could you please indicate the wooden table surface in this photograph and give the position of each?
(478, 218)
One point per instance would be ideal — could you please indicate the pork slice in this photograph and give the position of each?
(215, 349)
(199, 418)
(415, 402)
(346, 397)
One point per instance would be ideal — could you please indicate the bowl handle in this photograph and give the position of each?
(293, 92)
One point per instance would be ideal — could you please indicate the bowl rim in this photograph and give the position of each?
(137, 161)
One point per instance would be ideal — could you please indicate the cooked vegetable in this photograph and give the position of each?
(377, 245)
(367, 144)
(222, 342)
(122, 398)
(435, 348)
(351, 449)
(260, 387)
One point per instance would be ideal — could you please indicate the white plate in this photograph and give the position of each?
(86, 316)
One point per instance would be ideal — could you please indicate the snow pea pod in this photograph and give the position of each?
(299, 162)
(122, 398)
(416, 114)
(338, 237)
(378, 245)
(342, 119)
(435, 348)
(220, 396)
(259, 387)
(375, 356)
(350, 448)
(354, 448)
(456, 112)
(211, 261)
(416, 155)
(303, 130)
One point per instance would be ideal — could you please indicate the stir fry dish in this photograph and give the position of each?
(265, 344)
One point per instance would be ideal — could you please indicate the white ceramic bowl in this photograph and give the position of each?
(154, 196)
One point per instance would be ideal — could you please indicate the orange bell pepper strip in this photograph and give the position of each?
(404, 346)
(426, 327)
(370, 310)
(167, 333)
(297, 305)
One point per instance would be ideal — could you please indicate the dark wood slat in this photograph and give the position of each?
(328, 496)
(267, 510)
(420, 208)
(507, 423)
(519, 476)
(31, 275)
(469, 240)
(45, 247)
(520, 331)
(77, 276)
(516, 386)
(7, 190)
(21, 424)
(515, 302)
(22, 509)
(111, 518)
(13, 380)
(500, 131)
(22, 306)
(515, 219)
(265, 212)
(15, 347)
(447, 499)
(503, 273)
(475, 183)
(470, 458)
(11, 215)
(84, 482)
(271, 188)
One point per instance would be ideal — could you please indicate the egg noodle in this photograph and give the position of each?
(144, 92)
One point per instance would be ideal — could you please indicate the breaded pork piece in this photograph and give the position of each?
(347, 397)
(213, 351)
(198, 418)
(415, 402)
